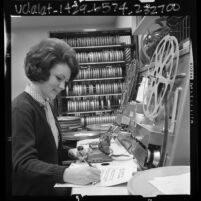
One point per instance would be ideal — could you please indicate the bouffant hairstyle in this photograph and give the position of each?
(45, 55)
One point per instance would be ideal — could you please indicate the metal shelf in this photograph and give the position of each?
(89, 48)
(91, 95)
(101, 63)
(98, 79)
(94, 111)
(84, 32)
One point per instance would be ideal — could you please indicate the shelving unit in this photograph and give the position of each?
(103, 56)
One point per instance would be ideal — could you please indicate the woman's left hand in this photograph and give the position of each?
(74, 153)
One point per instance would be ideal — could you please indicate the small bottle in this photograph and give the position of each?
(82, 154)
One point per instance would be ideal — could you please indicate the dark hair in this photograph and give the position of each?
(47, 53)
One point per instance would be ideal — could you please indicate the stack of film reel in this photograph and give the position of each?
(98, 41)
(104, 119)
(97, 103)
(102, 72)
(102, 56)
(98, 88)
(69, 123)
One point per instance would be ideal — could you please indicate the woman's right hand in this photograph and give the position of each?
(82, 175)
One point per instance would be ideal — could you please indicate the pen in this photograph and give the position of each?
(86, 160)
(94, 182)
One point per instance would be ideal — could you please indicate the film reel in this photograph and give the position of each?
(161, 75)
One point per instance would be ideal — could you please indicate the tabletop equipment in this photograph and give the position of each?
(148, 124)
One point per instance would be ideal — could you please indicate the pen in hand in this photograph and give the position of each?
(80, 149)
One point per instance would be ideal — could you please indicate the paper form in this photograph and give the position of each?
(117, 148)
(179, 184)
(112, 174)
(115, 175)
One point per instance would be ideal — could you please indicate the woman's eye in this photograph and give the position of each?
(59, 78)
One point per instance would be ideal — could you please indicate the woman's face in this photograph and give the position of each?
(59, 74)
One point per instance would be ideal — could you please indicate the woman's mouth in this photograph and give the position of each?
(56, 91)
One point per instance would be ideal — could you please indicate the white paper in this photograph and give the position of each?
(87, 141)
(170, 185)
(117, 148)
(114, 173)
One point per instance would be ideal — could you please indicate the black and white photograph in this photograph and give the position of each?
(100, 105)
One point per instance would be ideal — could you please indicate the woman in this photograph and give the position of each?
(37, 151)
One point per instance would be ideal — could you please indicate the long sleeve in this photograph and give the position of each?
(25, 154)
(34, 153)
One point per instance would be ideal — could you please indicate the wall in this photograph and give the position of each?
(126, 21)
(21, 41)
(123, 22)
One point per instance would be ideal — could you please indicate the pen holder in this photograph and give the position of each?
(82, 154)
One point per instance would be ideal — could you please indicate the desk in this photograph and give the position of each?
(93, 191)
(120, 189)
(139, 184)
